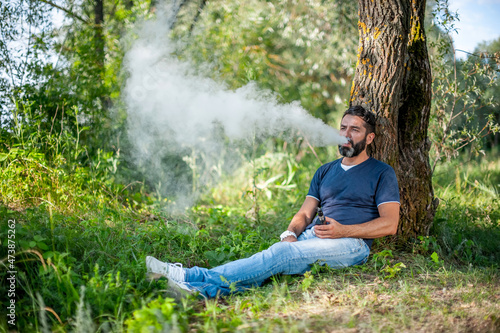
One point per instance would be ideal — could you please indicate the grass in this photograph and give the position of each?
(420, 299)
(82, 269)
(467, 221)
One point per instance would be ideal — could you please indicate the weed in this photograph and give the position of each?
(435, 259)
(382, 258)
(156, 316)
(426, 244)
(392, 271)
(307, 281)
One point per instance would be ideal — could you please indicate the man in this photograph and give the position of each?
(360, 199)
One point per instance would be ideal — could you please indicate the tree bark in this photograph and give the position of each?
(98, 29)
(393, 80)
(201, 6)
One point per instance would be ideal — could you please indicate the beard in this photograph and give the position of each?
(354, 150)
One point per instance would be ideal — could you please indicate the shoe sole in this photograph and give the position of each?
(154, 276)
(175, 291)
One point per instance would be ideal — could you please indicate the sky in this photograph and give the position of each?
(479, 21)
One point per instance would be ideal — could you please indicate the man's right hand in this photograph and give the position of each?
(289, 239)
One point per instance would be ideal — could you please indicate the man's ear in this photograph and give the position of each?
(369, 138)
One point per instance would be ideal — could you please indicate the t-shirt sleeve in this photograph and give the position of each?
(314, 187)
(387, 189)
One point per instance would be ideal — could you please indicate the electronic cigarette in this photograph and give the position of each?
(321, 216)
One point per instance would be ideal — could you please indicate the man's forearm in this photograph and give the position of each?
(298, 224)
(304, 216)
(379, 227)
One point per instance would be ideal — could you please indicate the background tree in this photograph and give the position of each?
(303, 51)
(393, 79)
(465, 112)
(64, 75)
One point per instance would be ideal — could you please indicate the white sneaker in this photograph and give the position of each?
(156, 269)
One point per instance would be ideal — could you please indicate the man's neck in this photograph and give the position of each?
(363, 156)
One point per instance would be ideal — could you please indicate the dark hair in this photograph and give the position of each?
(367, 116)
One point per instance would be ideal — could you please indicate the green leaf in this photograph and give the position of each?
(308, 280)
(39, 238)
(48, 254)
(43, 246)
(14, 152)
(24, 244)
(435, 257)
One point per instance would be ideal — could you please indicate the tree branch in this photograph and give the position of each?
(483, 55)
(67, 11)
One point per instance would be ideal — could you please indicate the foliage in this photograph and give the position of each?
(22, 22)
(52, 68)
(384, 258)
(303, 51)
(152, 317)
(46, 168)
(467, 223)
(465, 105)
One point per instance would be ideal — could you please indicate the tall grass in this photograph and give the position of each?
(467, 221)
(41, 167)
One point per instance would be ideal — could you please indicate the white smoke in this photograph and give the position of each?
(172, 108)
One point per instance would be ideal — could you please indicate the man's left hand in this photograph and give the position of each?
(331, 230)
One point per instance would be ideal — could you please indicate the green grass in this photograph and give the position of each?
(419, 299)
(82, 269)
(467, 223)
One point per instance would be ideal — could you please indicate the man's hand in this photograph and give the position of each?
(331, 230)
(289, 239)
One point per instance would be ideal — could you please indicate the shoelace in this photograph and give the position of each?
(175, 271)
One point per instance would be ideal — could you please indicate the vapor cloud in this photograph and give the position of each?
(173, 108)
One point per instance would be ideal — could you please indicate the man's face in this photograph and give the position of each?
(353, 128)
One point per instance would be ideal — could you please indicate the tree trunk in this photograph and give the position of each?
(393, 79)
(201, 6)
(99, 37)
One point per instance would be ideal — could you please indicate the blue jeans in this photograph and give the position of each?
(281, 258)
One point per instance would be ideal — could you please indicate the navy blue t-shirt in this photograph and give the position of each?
(353, 196)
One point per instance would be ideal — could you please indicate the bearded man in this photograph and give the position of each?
(359, 197)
